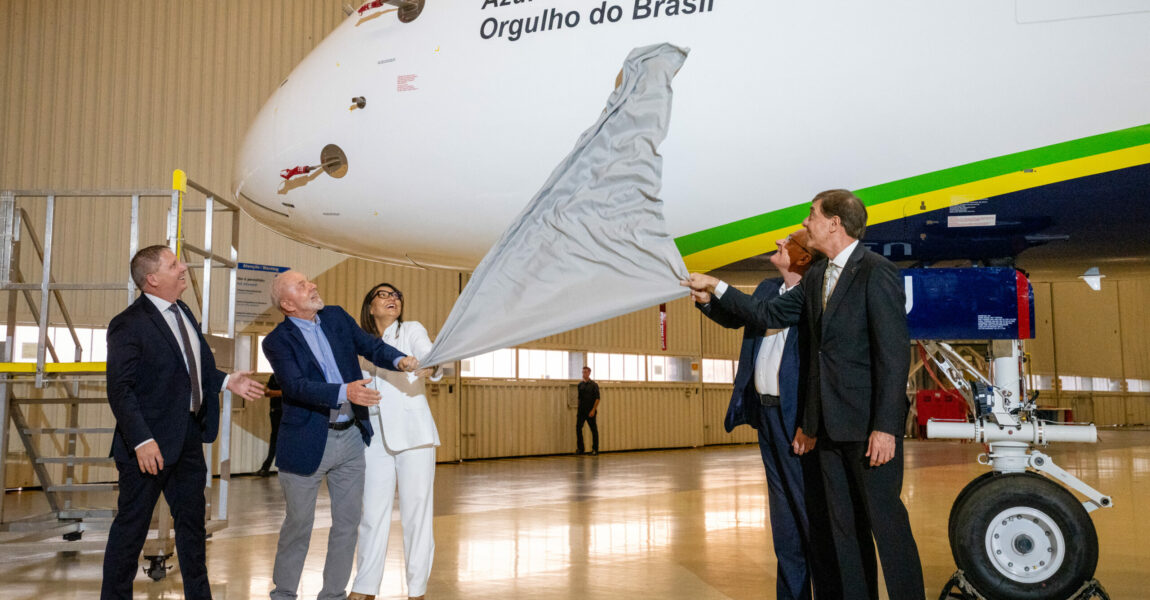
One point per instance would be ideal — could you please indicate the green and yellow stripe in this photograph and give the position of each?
(725, 244)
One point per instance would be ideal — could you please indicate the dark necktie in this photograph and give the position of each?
(193, 371)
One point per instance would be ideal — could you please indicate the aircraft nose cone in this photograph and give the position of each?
(256, 173)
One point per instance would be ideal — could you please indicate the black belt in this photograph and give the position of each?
(340, 426)
(768, 400)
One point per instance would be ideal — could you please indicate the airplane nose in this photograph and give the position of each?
(252, 166)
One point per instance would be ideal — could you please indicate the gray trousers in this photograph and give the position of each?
(343, 466)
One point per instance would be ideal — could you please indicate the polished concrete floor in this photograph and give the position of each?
(685, 524)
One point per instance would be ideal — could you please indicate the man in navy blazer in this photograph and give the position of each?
(851, 308)
(324, 428)
(166, 403)
(766, 397)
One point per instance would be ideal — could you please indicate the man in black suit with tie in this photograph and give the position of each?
(163, 387)
(851, 308)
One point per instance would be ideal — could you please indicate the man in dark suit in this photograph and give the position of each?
(325, 426)
(851, 309)
(163, 387)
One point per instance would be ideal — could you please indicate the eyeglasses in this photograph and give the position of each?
(386, 294)
(789, 240)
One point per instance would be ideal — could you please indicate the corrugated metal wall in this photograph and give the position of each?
(1084, 333)
(718, 342)
(480, 418)
(509, 418)
(1081, 313)
(1134, 322)
(112, 94)
(716, 398)
(636, 333)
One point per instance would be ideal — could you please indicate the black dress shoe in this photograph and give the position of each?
(594, 453)
(263, 473)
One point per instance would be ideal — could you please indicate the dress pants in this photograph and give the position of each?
(413, 470)
(182, 482)
(786, 499)
(343, 466)
(864, 500)
(579, 420)
(803, 546)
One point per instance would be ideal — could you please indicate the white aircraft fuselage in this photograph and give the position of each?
(467, 109)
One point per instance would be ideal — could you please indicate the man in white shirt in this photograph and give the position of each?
(765, 396)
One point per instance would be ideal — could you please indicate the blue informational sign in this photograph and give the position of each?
(992, 303)
(253, 296)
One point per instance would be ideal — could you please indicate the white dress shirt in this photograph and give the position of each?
(770, 357)
(832, 275)
(169, 318)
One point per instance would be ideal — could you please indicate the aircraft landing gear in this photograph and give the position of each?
(1020, 535)
(157, 567)
(1016, 533)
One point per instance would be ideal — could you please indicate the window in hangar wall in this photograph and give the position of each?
(1138, 386)
(718, 370)
(93, 342)
(544, 364)
(562, 364)
(507, 363)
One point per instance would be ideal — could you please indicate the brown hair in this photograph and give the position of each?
(847, 207)
(146, 262)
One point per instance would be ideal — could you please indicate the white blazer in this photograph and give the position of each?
(402, 416)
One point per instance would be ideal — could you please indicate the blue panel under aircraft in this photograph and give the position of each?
(969, 304)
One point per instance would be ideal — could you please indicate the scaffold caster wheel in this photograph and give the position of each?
(157, 567)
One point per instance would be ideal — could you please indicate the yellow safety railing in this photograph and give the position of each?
(54, 367)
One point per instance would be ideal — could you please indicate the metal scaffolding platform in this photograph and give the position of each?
(69, 384)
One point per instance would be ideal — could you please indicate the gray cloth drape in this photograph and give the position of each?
(592, 243)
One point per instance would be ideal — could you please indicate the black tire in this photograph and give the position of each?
(959, 500)
(1021, 536)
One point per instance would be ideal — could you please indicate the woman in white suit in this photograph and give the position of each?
(401, 454)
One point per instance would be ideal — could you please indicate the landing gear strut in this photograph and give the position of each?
(1015, 532)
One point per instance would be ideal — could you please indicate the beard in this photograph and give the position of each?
(314, 304)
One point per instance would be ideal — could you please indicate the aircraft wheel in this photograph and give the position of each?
(1022, 536)
(960, 500)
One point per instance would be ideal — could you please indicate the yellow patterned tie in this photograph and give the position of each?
(831, 277)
